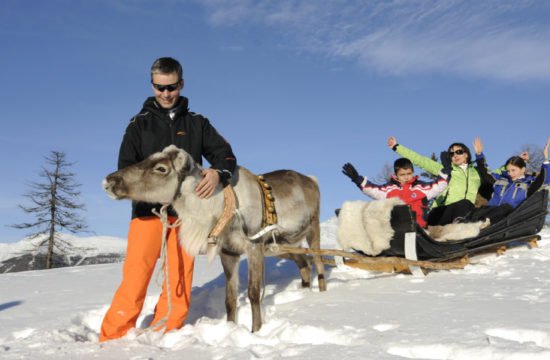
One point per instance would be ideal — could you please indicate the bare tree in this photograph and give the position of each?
(536, 157)
(384, 175)
(54, 206)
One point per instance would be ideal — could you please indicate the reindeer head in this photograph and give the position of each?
(156, 179)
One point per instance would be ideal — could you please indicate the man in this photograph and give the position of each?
(164, 120)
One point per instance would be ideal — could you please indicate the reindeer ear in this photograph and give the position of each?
(183, 161)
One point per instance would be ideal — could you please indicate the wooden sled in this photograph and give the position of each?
(413, 250)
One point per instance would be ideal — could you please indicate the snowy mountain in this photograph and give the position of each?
(26, 255)
(495, 308)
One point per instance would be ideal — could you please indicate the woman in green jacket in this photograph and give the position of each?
(463, 186)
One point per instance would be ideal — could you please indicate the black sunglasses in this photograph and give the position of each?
(457, 152)
(162, 88)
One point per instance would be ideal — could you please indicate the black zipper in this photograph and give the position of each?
(467, 182)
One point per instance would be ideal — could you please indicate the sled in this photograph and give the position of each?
(412, 249)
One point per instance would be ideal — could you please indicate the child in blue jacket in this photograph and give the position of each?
(513, 185)
(510, 187)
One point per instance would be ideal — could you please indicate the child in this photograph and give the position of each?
(511, 187)
(404, 185)
(464, 182)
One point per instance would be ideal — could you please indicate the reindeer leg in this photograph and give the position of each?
(255, 272)
(230, 264)
(314, 242)
(303, 265)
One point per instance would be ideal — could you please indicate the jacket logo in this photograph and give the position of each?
(181, 133)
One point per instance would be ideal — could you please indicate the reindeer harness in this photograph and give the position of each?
(231, 208)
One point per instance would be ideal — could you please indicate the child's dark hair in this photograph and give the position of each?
(402, 163)
(516, 161)
(463, 147)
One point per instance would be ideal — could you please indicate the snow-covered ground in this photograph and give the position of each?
(496, 308)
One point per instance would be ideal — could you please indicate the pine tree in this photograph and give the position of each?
(55, 206)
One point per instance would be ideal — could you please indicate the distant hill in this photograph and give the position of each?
(24, 255)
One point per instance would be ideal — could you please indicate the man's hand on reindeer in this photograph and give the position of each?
(208, 184)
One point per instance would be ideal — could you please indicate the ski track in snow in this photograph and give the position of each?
(294, 325)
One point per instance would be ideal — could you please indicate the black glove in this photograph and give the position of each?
(446, 162)
(350, 172)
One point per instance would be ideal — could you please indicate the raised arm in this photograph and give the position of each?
(431, 166)
(349, 170)
(478, 145)
(392, 142)
(373, 190)
(525, 156)
(370, 189)
(543, 178)
(481, 161)
(546, 164)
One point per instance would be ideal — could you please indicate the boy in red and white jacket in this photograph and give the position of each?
(403, 185)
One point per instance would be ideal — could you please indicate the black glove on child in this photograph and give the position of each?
(350, 172)
(445, 158)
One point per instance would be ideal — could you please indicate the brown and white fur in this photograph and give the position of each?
(171, 176)
(366, 226)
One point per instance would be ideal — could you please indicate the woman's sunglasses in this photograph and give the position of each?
(457, 152)
(170, 87)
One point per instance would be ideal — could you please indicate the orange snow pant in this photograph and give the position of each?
(143, 250)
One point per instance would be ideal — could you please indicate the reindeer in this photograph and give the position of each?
(170, 177)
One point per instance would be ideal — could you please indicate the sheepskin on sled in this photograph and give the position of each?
(366, 226)
(457, 231)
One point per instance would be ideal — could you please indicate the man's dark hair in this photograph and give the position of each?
(463, 147)
(402, 163)
(166, 65)
(516, 161)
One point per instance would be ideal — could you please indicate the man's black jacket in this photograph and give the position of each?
(152, 130)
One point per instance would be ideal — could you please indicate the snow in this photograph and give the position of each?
(495, 308)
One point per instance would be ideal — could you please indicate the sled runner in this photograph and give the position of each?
(413, 249)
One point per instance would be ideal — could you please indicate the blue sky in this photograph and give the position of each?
(305, 85)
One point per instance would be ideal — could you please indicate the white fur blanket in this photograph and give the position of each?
(457, 231)
(366, 226)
